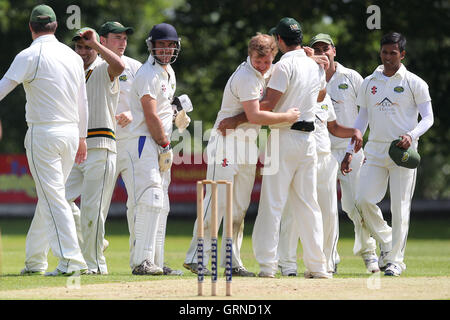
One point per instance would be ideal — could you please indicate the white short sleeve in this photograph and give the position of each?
(361, 98)
(280, 78)
(145, 84)
(331, 113)
(247, 88)
(420, 90)
(22, 68)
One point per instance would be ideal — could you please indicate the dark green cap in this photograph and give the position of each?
(78, 33)
(114, 27)
(321, 37)
(272, 31)
(288, 28)
(404, 158)
(43, 14)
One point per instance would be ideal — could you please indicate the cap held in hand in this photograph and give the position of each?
(404, 158)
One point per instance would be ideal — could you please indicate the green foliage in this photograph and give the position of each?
(214, 42)
(215, 35)
(14, 16)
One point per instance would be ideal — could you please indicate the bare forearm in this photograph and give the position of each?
(266, 105)
(340, 131)
(240, 119)
(152, 120)
(156, 129)
(267, 118)
(116, 65)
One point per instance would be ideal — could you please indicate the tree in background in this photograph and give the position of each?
(214, 37)
(215, 34)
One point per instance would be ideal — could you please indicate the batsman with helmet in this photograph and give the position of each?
(149, 149)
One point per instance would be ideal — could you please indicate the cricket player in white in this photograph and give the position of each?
(327, 168)
(114, 36)
(296, 81)
(233, 157)
(93, 180)
(56, 113)
(342, 86)
(390, 101)
(149, 147)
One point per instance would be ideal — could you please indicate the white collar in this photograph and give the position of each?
(297, 52)
(45, 38)
(401, 72)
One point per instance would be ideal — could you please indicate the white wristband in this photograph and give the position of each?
(350, 148)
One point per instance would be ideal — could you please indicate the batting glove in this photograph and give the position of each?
(182, 121)
(165, 158)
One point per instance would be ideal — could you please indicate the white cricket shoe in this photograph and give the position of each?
(59, 273)
(317, 275)
(168, 271)
(393, 270)
(147, 268)
(263, 274)
(371, 262)
(288, 271)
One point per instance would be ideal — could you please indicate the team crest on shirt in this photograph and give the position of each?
(399, 89)
(386, 103)
(225, 162)
(163, 87)
(123, 77)
(324, 107)
(374, 90)
(343, 86)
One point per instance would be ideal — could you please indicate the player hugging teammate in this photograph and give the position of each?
(110, 115)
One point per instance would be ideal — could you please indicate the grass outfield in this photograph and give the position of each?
(427, 254)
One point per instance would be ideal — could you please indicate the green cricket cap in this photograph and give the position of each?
(78, 33)
(404, 158)
(288, 28)
(321, 37)
(114, 27)
(272, 31)
(43, 14)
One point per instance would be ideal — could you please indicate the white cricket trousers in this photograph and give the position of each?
(376, 174)
(294, 185)
(241, 172)
(149, 200)
(51, 150)
(123, 168)
(364, 243)
(93, 181)
(327, 168)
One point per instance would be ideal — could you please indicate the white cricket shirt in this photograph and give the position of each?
(324, 114)
(103, 96)
(300, 79)
(125, 82)
(343, 88)
(245, 84)
(159, 84)
(52, 76)
(392, 102)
